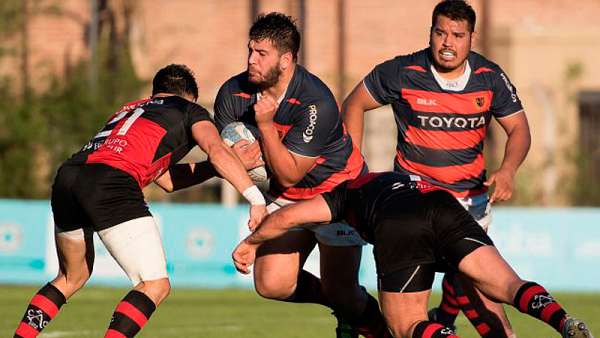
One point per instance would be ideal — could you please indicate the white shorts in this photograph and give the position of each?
(333, 234)
(137, 248)
(479, 207)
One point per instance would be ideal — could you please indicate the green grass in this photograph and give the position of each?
(234, 313)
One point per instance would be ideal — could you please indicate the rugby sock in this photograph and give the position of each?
(43, 307)
(308, 290)
(486, 322)
(130, 316)
(428, 329)
(448, 309)
(371, 324)
(534, 300)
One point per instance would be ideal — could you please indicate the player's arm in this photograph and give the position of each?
(315, 210)
(508, 111)
(229, 167)
(353, 111)
(184, 175)
(517, 146)
(287, 168)
(380, 87)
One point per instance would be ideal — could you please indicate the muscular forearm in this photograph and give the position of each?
(273, 226)
(281, 162)
(227, 165)
(517, 147)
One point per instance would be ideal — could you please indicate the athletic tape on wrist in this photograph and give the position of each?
(254, 196)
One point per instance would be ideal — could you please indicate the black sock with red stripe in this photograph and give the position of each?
(448, 309)
(486, 322)
(534, 300)
(308, 290)
(428, 329)
(43, 307)
(130, 316)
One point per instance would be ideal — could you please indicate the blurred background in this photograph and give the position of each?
(65, 66)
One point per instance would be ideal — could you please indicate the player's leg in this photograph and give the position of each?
(75, 251)
(357, 312)
(136, 246)
(278, 272)
(404, 295)
(448, 309)
(492, 275)
(487, 316)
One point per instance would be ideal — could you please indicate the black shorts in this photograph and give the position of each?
(421, 229)
(96, 196)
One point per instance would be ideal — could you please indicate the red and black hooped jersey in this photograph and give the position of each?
(145, 137)
(309, 124)
(441, 132)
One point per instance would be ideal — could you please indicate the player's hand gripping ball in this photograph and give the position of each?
(238, 131)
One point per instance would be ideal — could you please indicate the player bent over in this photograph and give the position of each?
(100, 189)
(415, 227)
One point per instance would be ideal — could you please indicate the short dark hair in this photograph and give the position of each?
(455, 10)
(175, 79)
(280, 29)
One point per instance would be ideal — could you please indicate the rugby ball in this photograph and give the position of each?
(237, 131)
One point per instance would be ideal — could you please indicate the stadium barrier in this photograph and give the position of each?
(558, 247)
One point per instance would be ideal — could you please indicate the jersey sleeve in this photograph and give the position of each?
(336, 199)
(224, 108)
(383, 82)
(310, 132)
(505, 101)
(197, 113)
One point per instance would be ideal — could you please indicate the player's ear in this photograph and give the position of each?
(286, 60)
(474, 37)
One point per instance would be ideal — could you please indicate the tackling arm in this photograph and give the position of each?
(314, 210)
(184, 175)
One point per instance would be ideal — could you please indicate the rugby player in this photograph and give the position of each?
(100, 189)
(307, 152)
(416, 228)
(443, 98)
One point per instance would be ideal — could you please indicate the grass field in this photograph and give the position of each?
(234, 313)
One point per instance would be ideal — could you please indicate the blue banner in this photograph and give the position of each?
(557, 247)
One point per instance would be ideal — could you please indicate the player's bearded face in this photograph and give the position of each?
(450, 43)
(264, 67)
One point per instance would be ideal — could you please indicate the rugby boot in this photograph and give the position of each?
(574, 328)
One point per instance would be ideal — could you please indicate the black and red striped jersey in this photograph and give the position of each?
(144, 137)
(441, 131)
(309, 124)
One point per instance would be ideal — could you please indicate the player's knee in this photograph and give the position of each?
(272, 288)
(157, 290)
(71, 281)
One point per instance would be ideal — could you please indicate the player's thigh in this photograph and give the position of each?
(279, 260)
(75, 251)
(137, 247)
(490, 273)
(339, 264)
(403, 309)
